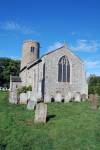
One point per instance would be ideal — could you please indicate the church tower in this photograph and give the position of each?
(30, 52)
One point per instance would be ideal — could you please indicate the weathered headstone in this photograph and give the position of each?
(23, 98)
(47, 99)
(77, 97)
(31, 105)
(68, 97)
(95, 102)
(91, 96)
(40, 113)
(58, 97)
(3, 89)
(83, 97)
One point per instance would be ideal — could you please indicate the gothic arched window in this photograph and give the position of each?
(63, 70)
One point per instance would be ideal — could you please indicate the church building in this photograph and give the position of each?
(57, 75)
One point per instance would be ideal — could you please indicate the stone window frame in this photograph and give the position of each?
(63, 74)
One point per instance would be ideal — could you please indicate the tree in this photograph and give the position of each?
(8, 67)
(94, 84)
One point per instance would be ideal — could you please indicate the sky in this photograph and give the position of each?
(52, 23)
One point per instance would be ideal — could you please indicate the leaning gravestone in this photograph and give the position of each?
(31, 105)
(40, 113)
(77, 97)
(58, 97)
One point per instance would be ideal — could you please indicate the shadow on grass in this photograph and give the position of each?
(49, 117)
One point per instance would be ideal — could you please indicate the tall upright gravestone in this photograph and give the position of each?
(40, 113)
(83, 97)
(77, 97)
(94, 100)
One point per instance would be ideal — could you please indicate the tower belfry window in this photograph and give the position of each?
(32, 49)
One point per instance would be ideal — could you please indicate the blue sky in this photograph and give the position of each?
(52, 22)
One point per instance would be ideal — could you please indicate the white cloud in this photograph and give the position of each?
(86, 46)
(14, 26)
(55, 46)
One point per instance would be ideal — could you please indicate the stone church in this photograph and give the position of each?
(57, 75)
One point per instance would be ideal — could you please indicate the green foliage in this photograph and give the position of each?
(8, 67)
(29, 88)
(71, 126)
(94, 85)
(24, 89)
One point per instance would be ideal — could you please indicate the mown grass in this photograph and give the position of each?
(72, 126)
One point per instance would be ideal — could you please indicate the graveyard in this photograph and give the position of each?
(70, 125)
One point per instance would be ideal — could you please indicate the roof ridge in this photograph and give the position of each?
(52, 51)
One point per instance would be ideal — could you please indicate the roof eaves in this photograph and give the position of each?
(34, 63)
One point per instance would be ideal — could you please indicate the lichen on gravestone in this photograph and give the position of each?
(40, 113)
(94, 101)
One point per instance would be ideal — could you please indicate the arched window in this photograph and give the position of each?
(63, 70)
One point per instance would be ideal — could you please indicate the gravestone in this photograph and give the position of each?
(23, 98)
(77, 97)
(40, 113)
(68, 97)
(3, 89)
(83, 97)
(95, 102)
(31, 105)
(91, 96)
(58, 97)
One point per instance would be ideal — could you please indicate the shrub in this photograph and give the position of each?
(24, 89)
(29, 88)
(94, 84)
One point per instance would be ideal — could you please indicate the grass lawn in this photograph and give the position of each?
(71, 126)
